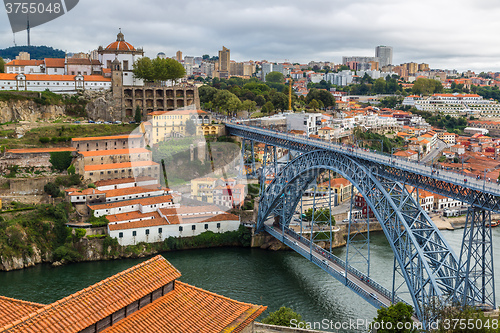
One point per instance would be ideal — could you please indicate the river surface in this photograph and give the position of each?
(256, 276)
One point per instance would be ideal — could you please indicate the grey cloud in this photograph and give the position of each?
(446, 34)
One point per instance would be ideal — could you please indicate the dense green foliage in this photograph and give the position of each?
(158, 69)
(44, 228)
(53, 190)
(283, 317)
(61, 160)
(425, 87)
(237, 94)
(323, 96)
(36, 52)
(138, 114)
(374, 140)
(2, 65)
(321, 216)
(275, 77)
(452, 124)
(242, 237)
(100, 221)
(394, 314)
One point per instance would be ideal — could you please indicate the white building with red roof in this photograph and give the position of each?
(126, 55)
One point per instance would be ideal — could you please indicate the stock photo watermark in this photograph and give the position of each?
(27, 14)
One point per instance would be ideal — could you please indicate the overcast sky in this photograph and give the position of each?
(451, 34)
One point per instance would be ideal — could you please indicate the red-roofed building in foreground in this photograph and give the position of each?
(146, 298)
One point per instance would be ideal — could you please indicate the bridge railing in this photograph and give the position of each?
(383, 158)
(333, 258)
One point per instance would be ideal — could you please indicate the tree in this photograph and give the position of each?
(390, 317)
(321, 216)
(283, 317)
(2, 65)
(380, 85)
(249, 105)
(143, 69)
(321, 95)
(227, 102)
(52, 189)
(207, 93)
(71, 170)
(268, 108)
(138, 114)
(61, 160)
(314, 104)
(280, 101)
(425, 86)
(275, 77)
(260, 100)
(190, 127)
(158, 69)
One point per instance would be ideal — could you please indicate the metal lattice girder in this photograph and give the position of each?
(476, 281)
(428, 264)
(447, 184)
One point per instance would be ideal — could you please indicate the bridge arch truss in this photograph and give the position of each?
(428, 265)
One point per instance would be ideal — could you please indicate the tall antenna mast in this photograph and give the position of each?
(28, 29)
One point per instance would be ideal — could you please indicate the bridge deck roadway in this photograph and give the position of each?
(304, 144)
(361, 284)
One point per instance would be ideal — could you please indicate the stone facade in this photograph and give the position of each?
(155, 98)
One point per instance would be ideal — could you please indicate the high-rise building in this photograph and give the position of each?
(384, 54)
(224, 59)
(178, 56)
(224, 63)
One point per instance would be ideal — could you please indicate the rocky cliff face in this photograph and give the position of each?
(8, 263)
(101, 106)
(29, 111)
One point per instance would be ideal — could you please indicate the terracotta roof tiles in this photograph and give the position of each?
(113, 152)
(13, 309)
(90, 305)
(188, 309)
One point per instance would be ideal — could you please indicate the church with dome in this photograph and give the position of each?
(130, 93)
(125, 54)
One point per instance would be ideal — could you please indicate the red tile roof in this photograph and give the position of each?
(188, 309)
(140, 201)
(54, 62)
(111, 166)
(25, 63)
(111, 137)
(13, 309)
(155, 222)
(114, 152)
(129, 191)
(39, 150)
(109, 182)
(46, 77)
(117, 218)
(90, 305)
(176, 112)
(120, 46)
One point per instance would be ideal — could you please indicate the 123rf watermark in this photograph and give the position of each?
(366, 325)
(31, 13)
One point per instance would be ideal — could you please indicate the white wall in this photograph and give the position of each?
(126, 185)
(170, 231)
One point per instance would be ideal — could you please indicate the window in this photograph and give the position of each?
(193, 227)
(134, 233)
(120, 235)
(147, 231)
(160, 230)
(206, 226)
(180, 228)
(218, 225)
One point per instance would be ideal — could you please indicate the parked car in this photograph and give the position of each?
(91, 122)
(372, 295)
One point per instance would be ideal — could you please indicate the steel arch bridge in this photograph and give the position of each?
(429, 266)
(431, 270)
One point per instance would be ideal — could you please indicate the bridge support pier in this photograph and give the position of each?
(476, 277)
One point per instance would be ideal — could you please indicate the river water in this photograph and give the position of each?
(256, 276)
